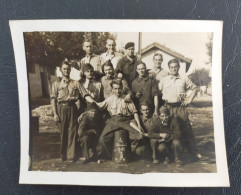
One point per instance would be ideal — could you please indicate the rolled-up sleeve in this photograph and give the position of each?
(189, 84)
(132, 108)
(54, 92)
(154, 88)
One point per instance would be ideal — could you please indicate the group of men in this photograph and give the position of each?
(117, 93)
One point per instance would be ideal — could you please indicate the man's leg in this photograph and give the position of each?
(84, 146)
(154, 144)
(162, 150)
(105, 145)
(177, 149)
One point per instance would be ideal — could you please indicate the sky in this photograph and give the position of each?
(191, 45)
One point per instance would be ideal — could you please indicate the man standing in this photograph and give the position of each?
(109, 76)
(65, 94)
(123, 116)
(145, 88)
(90, 57)
(174, 88)
(127, 64)
(111, 53)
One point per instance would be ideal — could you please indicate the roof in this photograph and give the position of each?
(166, 50)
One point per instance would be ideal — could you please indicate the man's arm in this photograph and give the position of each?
(54, 108)
(190, 98)
(137, 119)
(156, 103)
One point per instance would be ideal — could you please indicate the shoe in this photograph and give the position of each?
(179, 163)
(100, 161)
(167, 161)
(155, 161)
(63, 158)
(71, 161)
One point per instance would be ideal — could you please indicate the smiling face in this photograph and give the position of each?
(108, 70)
(88, 47)
(174, 68)
(117, 90)
(145, 111)
(141, 70)
(157, 60)
(65, 69)
(130, 51)
(110, 45)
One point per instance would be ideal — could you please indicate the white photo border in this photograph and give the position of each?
(218, 179)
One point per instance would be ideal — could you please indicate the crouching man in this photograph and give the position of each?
(123, 116)
(164, 134)
(89, 130)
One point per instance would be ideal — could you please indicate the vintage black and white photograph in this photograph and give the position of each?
(127, 101)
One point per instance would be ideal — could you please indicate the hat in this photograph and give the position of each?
(164, 110)
(129, 44)
(87, 67)
(92, 106)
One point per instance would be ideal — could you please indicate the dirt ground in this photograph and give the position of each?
(45, 147)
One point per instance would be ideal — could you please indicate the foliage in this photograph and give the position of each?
(200, 77)
(50, 48)
(209, 46)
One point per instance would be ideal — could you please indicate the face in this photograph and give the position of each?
(164, 118)
(130, 51)
(93, 113)
(117, 90)
(157, 61)
(88, 47)
(108, 71)
(145, 111)
(110, 45)
(174, 68)
(65, 69)
(141, 70)
(89, 74)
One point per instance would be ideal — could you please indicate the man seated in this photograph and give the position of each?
(123, 116)
(164, 134)
(89, 130)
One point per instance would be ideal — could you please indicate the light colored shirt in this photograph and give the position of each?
(67, 90)
(158, 74)
(114, 58)
(94, 89)
(174, 88)
(117, 106)
(94, 60)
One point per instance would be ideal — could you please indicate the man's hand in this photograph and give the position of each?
(120, 76)
(156, 113)
(128, 98)
(138, 94)
(145, 134)
(56, 118)
(186, 102)
(150, 76)
(139, 135)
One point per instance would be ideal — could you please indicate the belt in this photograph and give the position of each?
(176, 104)
(71, 103)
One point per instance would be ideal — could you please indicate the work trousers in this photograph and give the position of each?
(68, 115)
(88, 145)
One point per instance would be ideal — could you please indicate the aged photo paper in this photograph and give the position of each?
(120, 102)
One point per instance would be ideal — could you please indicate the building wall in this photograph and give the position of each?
(148, 56)
(35, 83)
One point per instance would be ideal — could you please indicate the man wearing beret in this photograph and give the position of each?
(111, 53)
(127, 64)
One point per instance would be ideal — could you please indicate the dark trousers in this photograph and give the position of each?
(68, 128)
(166, 149)
(88, 145)
(188, 139)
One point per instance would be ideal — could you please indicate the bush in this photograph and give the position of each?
(200, 77)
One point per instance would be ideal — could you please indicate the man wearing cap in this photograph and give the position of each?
(174, 88)
(89, 130)
(93, 88)
(91, 58)
(65, 94)
(145, 88)
(127, 64)
(111, 53)
(109, 76)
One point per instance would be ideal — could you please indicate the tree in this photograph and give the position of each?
(209, 46)
(200, 77)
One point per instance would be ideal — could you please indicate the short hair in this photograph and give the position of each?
(116, 82)
(107, 63)
(176, 61)
(65, 62)
(145, 103)
(88, 41)
(157, 54)
(110, 38)
(141, 63)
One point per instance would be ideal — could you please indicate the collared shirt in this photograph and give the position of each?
(94, 89)
(158, 74)
(114, 58)
(108, 89)
(117, 106)
(127, 67)
(147, 86)
(174, 88)
(67, 90)
(94, 60)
